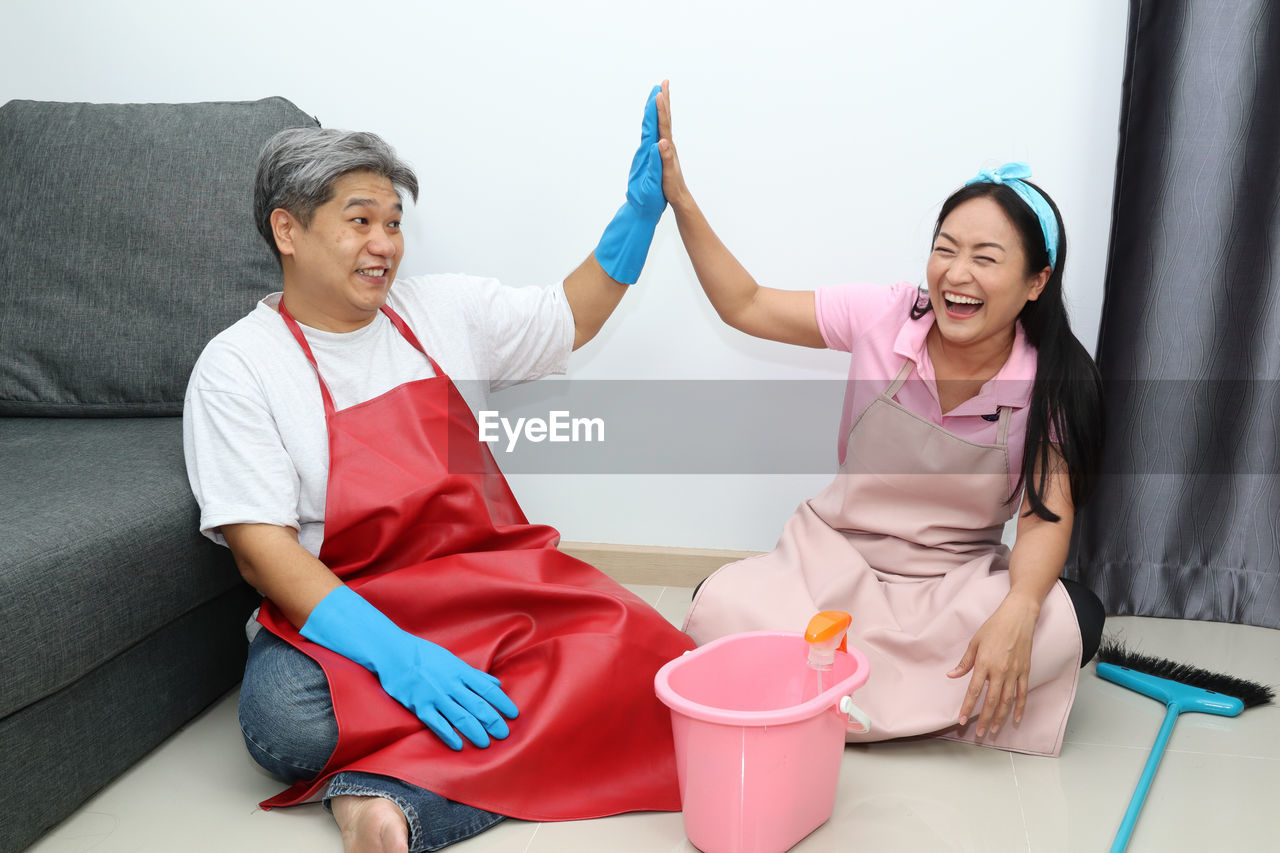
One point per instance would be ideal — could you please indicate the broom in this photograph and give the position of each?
(1182, 688)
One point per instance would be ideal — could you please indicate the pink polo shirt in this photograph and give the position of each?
(872, 323)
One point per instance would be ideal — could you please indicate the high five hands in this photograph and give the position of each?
(625, 243)
(673, 185)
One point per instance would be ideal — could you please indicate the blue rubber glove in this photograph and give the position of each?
(625, 242)
(442, 690)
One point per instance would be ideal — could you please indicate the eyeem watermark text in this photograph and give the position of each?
(558, 427)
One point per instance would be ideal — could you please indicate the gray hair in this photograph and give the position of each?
(298, 168)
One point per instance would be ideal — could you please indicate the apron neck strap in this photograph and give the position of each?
(396, 320)
(898, 380)
(403, 328)
(296, 331)
(1002, 435)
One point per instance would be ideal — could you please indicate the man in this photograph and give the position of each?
(431, 663)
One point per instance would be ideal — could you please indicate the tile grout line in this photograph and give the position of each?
(1172, 750)
(531, 837)
(1022, 808)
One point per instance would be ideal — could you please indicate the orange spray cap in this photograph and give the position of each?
(826, 634)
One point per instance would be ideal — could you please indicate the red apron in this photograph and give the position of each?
(420, 522)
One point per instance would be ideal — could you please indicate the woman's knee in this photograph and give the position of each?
(1090, 615)
(286, 713)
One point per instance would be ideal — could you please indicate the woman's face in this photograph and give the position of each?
(977, 274)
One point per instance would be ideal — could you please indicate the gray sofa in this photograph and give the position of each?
(126, 243)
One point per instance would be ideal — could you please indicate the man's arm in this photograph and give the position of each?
(592, 296)
(273, 562)
(446, 693)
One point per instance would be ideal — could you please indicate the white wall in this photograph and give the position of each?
(819, 137)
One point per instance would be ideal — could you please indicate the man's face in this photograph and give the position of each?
(341, 267)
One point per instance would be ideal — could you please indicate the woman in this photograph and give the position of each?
(960, 400)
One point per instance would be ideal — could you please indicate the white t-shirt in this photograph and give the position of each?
(254, 434)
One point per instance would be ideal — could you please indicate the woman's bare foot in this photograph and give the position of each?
(371, 825)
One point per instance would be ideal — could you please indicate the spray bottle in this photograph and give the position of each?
(827, 634)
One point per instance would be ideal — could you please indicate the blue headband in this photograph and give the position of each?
(1011, 175)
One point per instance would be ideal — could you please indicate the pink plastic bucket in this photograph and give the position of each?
(758, 764)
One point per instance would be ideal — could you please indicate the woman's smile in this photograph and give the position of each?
(959, 306)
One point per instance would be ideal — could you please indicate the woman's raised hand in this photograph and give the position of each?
(673, 185)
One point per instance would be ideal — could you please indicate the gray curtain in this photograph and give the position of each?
(1185, 521)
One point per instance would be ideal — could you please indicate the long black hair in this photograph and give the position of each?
(1066, 399)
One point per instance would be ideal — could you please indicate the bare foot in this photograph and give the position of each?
(371, 825)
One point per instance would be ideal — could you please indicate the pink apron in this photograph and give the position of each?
(907, 539)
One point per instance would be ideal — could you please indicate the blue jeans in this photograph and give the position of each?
(286, 716)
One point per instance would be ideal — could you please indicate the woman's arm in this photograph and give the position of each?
(999, 655)
(778, 315)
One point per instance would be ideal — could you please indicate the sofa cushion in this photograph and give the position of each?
(69, 744)
(126, 243)
(99, 546)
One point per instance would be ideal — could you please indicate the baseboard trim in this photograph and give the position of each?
(652, 564)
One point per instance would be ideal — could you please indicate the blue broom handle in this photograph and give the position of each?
(1144, 783)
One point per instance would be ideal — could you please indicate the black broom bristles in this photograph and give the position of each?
(1251, 693)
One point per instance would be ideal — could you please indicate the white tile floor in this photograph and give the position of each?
(1216, 789)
